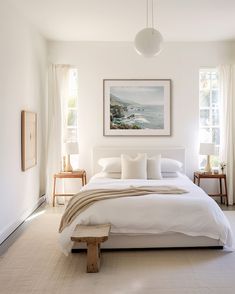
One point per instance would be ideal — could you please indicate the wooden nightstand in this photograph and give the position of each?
(201, 175)
(81, 174)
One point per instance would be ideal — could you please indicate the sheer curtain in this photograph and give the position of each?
(58, 89)
(227, 91)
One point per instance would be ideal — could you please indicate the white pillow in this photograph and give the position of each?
(134, 168)
(170, 165)
(154, 167)
(170, 175)
(112, 175)
(110, 164)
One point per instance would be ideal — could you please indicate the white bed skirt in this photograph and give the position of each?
(170, 240)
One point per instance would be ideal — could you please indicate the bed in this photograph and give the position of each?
(152, 221)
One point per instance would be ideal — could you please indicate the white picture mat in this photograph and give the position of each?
(140, 132)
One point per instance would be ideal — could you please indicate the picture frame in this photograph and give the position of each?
(137, 107)
(28, 139)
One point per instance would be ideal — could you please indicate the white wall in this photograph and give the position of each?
(178, 61)
(23, 65)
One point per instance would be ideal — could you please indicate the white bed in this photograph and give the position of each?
(153, 221)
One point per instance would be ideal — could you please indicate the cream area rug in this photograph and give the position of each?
(34, 264)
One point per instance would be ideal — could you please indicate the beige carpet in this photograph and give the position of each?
(34, 264)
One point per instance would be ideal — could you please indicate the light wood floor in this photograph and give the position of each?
(31, 262)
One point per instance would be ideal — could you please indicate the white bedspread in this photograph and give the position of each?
(194, 213)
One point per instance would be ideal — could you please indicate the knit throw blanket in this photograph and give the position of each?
(81, 201)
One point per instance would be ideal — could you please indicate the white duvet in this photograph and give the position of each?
(193, 213)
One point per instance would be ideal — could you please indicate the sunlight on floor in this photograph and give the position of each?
(35, 215)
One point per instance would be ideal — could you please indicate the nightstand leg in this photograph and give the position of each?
(220, 190)
(54, 192)
(226, 192)
(198, 181)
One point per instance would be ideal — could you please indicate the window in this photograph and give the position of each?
(70, 114)
(209, 112)
(71, 109)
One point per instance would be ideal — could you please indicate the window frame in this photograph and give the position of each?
(73, 89)
(213, 107)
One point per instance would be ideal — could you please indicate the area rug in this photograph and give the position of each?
(34, 264)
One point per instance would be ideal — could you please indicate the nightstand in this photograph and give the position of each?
(201, 175)
(80, 174)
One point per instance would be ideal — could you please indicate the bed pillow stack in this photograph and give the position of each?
(140, 167)
(110, 164)
(111, 167)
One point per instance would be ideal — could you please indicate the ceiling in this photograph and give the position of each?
(120, 20)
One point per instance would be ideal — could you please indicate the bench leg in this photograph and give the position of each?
(93, 257)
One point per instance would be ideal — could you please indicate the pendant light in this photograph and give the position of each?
(148, 42)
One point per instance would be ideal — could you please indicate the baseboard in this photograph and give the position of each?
(7, 232)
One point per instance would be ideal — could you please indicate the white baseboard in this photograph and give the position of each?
(7, 232)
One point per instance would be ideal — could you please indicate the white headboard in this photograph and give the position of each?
(177, 153)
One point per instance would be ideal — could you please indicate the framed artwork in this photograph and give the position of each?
(137, 107)
(28, 139)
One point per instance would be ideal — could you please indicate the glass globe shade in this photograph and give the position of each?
(148, 42)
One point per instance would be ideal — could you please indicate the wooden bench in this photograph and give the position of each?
(93, 236)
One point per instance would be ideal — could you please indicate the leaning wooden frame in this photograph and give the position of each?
(28, 139)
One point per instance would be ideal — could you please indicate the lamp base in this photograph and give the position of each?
(68, 167)
(208, 168)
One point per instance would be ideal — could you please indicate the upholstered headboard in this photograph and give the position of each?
(177, 153)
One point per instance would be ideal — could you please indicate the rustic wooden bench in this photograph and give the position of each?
(93, 236)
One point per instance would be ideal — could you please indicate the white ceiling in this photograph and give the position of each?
(120, 20)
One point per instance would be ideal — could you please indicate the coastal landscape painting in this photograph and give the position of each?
(136, 107)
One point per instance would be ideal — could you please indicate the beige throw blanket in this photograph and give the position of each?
(84, 199)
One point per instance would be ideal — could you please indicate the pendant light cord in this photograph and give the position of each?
(152, 16)
(147, 14)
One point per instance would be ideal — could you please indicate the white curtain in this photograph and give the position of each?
(58, 89)
(227, 92)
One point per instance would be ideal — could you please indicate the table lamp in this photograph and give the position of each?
(70, 148)
(207, 149)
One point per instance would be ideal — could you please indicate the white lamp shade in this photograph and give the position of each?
(71, 148)
(207, 149)
(148, 42)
